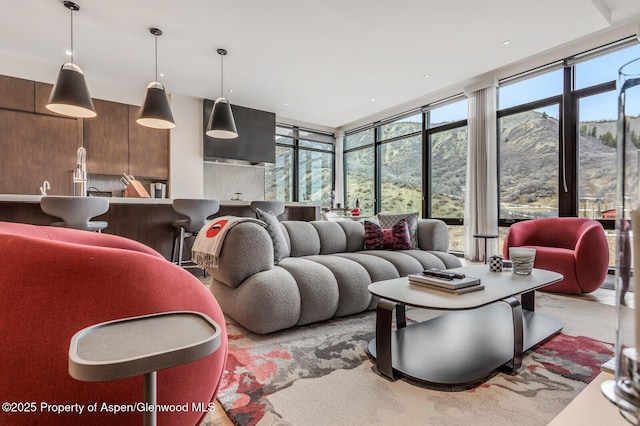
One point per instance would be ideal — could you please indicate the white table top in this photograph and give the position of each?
(497, 286)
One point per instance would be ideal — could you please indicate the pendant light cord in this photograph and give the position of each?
(156, 78)
(71, 11)
(222, 76)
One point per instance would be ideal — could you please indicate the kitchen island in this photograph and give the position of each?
(147, 220)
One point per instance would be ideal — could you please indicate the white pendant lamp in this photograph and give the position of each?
(155, 111)
(221, 123)
(70, 95)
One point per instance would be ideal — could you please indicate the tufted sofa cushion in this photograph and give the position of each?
(326, 275)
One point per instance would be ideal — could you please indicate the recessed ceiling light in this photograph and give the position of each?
(427, 76)
(286, 104)
(506, 42)
(68, 52)
(161, 74)
(230, 90)
(373, 99)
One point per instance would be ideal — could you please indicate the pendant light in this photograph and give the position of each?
(155, 111)
(221, 124)
(70, 95)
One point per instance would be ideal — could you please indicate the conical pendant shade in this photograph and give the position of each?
(70, 95)
(155, 111)
(221, 123)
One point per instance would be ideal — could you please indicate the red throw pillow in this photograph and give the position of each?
(396, 238)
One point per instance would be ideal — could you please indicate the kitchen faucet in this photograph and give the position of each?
(80, 173)
(44, 187)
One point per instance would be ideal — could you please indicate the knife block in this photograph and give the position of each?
(136, 190)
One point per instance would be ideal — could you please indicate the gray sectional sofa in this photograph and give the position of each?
(326, 274)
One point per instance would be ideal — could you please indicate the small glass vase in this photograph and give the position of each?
(624, 391)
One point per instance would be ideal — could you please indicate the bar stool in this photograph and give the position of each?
(197, 211)
(76, 212)
(275, 207)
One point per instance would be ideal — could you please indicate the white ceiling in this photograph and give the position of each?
(318, 62)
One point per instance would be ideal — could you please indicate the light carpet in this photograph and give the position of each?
(321, 375)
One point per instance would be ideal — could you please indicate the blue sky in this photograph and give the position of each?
(588, 73)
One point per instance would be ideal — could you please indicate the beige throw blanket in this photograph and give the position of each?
(208, 243)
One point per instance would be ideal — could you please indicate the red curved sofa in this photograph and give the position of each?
(56, 281)
(574, 247)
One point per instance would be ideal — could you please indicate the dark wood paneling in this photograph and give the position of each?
(43, 91)
(17, 94)
(35, 148)
(148, 149)
(106, 139)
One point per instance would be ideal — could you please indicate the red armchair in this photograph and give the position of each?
(574, 247)
(56, 281)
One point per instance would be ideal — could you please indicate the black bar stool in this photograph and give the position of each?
(197, 211)
(275, 207)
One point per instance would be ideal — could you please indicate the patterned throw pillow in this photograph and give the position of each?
(280, 246)
(395, 238)
(387, 221)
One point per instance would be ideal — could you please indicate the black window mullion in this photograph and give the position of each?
(426, 166)
(568, 156)
(377, 185)
(296, 165)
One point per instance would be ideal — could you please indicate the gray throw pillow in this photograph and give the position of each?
(280, 246)
(388, 220)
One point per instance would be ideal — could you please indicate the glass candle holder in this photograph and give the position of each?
(624, 390)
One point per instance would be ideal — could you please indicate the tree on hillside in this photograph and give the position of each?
(583, 130)
(635, 139)
(608, 140)
(594, 132)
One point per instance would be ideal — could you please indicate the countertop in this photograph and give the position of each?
(22, 198)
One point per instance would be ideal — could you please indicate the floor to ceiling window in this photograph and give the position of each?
(446, 129)
(304, 167)
(401, 165)
(387, 168)
(595, 89)
(556, 148)
(315, 167)
(359, 167)
(528, 146)
(557, 138)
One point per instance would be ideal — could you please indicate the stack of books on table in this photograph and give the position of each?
(442, 280)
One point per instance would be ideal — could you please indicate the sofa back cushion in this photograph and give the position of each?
(332, 237)
(354, 232)
(303, 238)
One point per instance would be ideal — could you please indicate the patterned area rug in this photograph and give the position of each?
(321, 375)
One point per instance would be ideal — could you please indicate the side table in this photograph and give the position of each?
(485, 237)
(141, 345)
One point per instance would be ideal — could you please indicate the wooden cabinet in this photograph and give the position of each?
(106, 139)
(16, 94)
(37, 144)
(35, 148)
(148, 149)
